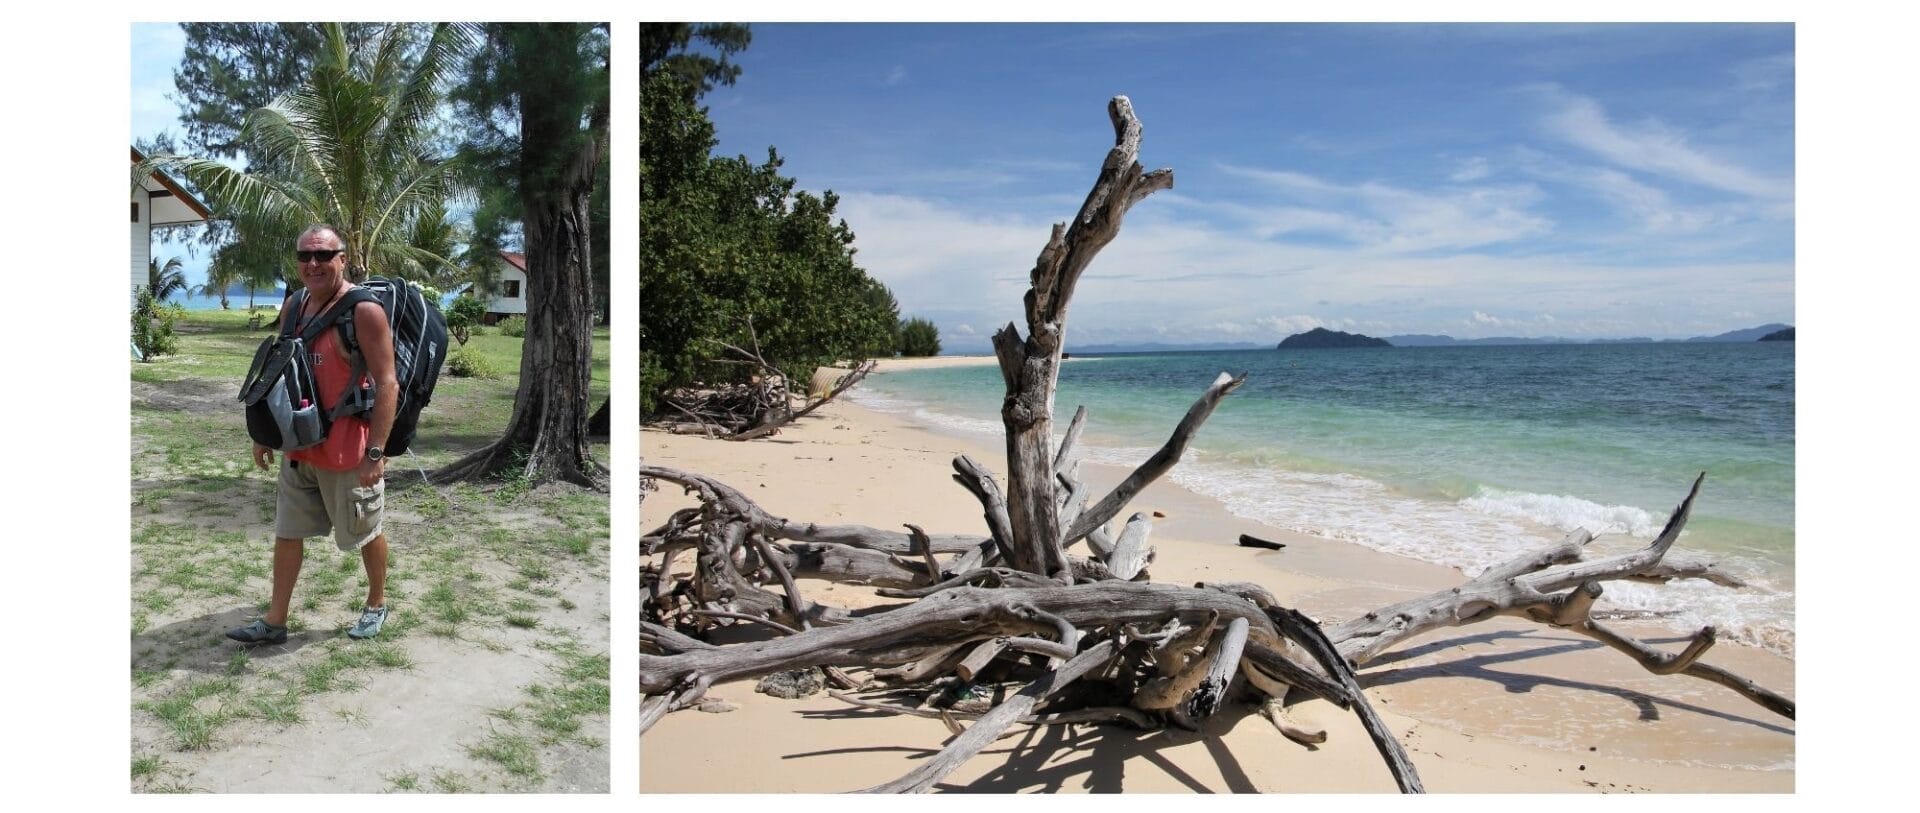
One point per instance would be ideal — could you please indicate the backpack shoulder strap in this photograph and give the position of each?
(290, 311)
(341, 311)
(349, 333)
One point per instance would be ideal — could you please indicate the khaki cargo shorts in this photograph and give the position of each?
(315, 502)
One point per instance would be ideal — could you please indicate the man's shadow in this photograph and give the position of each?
(201, 644)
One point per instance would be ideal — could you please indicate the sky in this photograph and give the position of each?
(1474, 180)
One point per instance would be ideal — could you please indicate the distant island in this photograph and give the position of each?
(1785, 335)
(1321, 338)
(1431, 340)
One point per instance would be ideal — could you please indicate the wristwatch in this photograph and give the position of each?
(375, 453)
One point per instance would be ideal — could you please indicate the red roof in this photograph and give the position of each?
(516, 260)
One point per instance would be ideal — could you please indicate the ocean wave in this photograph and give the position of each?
(1470, 534)
(1565, 512)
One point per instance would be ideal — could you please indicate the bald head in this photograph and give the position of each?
(318, 232)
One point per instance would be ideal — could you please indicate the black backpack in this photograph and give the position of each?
(419, 348)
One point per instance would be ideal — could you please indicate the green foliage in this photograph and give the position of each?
(534, 102)
(733, 253)
(153, 327)
(515, 326)
(166, 280)
(463, 316)
(462, 363)
(918, 337)
(667, 48)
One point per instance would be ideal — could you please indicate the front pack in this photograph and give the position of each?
(282, 404)
(281, 399)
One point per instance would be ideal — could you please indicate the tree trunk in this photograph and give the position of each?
(546, 439)
(1031, 367)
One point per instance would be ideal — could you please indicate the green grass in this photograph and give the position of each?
(557, 709)
(513, 752)
(195, 712)
(281, 707)
(404, 782)
(450, 782)
(147, 766)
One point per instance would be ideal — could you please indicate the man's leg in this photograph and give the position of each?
(287, 554)
(373, 556)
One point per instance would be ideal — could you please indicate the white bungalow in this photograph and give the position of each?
(510, 297)
(157, 201)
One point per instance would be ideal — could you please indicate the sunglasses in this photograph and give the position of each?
(324, 255)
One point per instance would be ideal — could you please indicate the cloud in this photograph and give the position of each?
(1184, 274)
(1290, 325)
(1651, 146)
(1383, 217)
(1471, 169)
(1764, 74)
(896, 76)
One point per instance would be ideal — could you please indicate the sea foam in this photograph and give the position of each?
(1469, 534)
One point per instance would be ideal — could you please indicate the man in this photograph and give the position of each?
(338, 485)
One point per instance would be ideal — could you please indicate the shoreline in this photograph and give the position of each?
(1496, 706)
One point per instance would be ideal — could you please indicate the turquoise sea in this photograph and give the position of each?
(1462, 456)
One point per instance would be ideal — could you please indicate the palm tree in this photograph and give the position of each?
(166, 280)
(355, 145)
(220, 277)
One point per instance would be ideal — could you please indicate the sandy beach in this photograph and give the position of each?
(1499, 706)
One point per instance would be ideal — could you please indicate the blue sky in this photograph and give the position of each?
(1468, 179)
(1473, 179)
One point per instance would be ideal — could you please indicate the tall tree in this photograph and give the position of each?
(350, 146)
(228, 70)
(538, 95)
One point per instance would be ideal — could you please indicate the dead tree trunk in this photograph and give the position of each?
(1031, 367)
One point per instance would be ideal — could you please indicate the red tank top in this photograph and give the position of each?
(346, 443)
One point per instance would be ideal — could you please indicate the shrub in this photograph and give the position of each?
(153, 327)
(463, 363)
(463, 316)
(515, 326)
(918, 337)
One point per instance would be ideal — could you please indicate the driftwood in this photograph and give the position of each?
(1012, 613)
(1247, 541)
(756, 409)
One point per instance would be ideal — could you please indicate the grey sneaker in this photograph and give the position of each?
(258, 632)
(371, 620)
